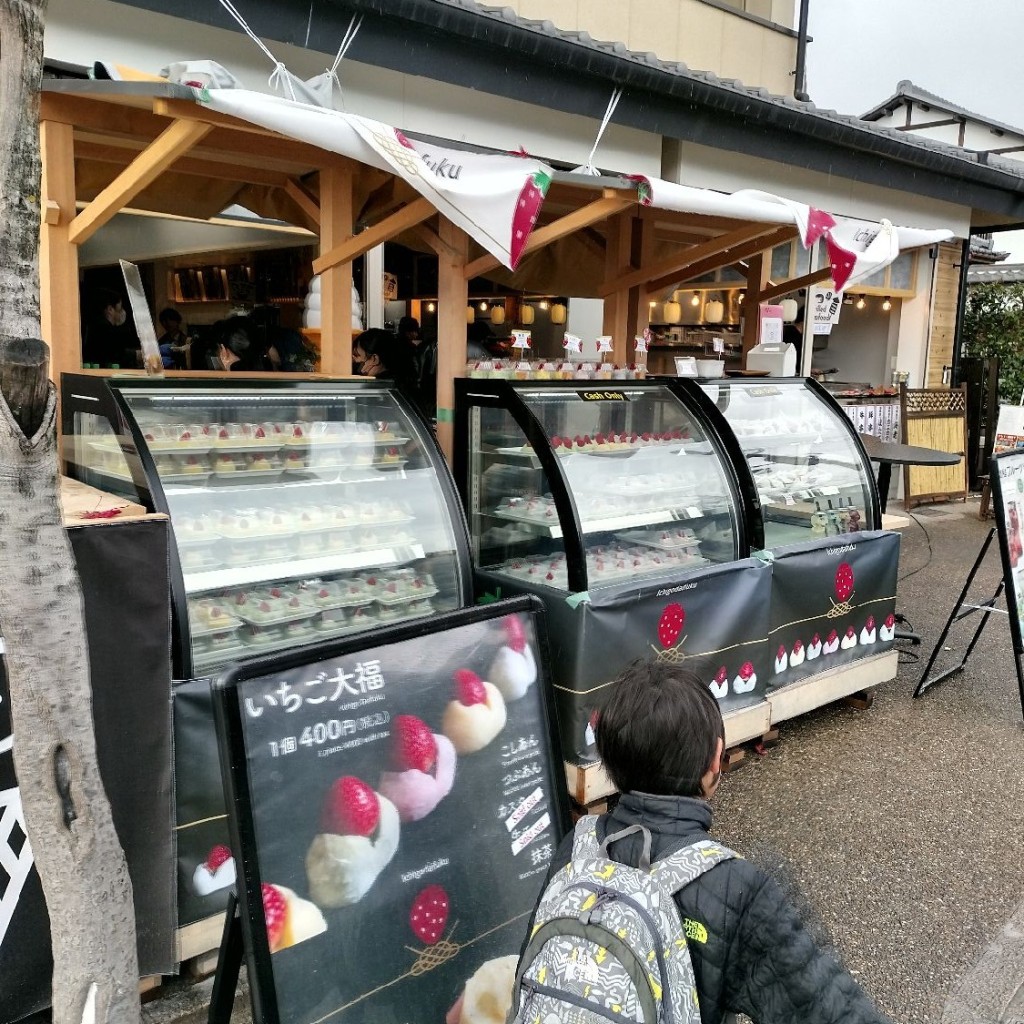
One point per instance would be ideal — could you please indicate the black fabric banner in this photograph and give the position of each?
(833, 603)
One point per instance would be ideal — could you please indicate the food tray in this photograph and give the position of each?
(246, 474)
(649, 539)
(240, 444)
(390, 600)
(304, 611)
(207, 659)
(200, 628)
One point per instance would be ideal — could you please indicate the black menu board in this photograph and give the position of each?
(396, 800)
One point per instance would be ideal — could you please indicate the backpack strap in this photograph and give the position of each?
(645, 855)
(584, 841)
(684, 866)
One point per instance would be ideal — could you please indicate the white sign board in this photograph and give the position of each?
(1009, 429)
(827, 304)
(771, 325)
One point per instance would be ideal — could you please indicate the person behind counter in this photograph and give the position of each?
(424, 361)
(239, 347)
(661, 738)
(174, 341)
(378, 353)
(110, 339)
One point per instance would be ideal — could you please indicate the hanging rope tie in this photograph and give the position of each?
(588, 167)
(280, 78)
(346, 42)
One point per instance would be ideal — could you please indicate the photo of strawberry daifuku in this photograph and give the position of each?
(514, 669)
(814, 647)
(215, 873)
(422, 768)
(359, 836)
(781, 659)
(476, 715)
(887, 630)
(746, 679)
(487, 997)
(290, 919)
(867, 634)
(720, 684)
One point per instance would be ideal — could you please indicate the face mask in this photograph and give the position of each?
(120, 318)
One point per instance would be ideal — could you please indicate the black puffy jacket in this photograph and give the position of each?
(750, 951)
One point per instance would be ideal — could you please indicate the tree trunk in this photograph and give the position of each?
(70, 829)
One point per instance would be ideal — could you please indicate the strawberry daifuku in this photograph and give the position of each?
(887, 630)
(720, 684)
(472, 725)
(868, 634)
(796, 656)
(290, 919)
(746, 679)
(849, 641)
(781, 659)
(514, 669)
(215, 873)
(423, 769)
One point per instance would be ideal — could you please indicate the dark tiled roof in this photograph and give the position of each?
(908, 91)
(1000, 274)
(817, 119)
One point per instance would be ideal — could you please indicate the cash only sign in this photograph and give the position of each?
(396, 801)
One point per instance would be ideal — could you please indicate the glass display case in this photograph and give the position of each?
(300, 509)
(579, 488)
(812, 475)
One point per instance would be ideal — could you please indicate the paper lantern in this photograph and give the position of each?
(527, 314)
(673, 312)
(789, 310)
(714, 312)
(497, 315)
(558, 313)
(470, 315)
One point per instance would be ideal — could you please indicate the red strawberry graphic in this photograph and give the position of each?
(850, 632)
(721, 676)
(797, 647)
(815, 640)
(844, 582)
(275, 910)
(526, 212)
(842, 262)
(670, 625)
(414, 745)
(429, 914)
(469, 687)
(220, 854)
(782, 651)
(890, 621)
(832, 637)
(351, 808)
(746, 670)
(515, 634)
(818, 222)
(870, 624)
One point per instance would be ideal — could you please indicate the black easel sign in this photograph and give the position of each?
(396, 802)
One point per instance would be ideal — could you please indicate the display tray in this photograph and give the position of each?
(201, 629)
(650, 540)
(621, 522)
(241, 474)
(295, 568)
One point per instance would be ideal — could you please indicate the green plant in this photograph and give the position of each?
(994, 326)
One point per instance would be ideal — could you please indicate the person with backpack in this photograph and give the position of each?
(645, 917)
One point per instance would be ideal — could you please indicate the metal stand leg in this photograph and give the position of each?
(229, 965)
(955, 616)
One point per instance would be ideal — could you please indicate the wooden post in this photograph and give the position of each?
(618, 261)
(758, 271)
(452, 299)
(336, 225)
(60, 319)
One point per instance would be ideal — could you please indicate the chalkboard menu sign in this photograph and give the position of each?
(395, 801)
(1007, 476)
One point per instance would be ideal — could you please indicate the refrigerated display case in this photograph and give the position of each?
(578, 488)
(813, 477)
(629, 511)
(299, 509)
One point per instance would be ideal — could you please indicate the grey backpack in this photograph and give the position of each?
(608, 943)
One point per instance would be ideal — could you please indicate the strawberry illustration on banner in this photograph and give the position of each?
(842, 262)
(525, 214)
(670, 625)
(844, 591)
(818, 223)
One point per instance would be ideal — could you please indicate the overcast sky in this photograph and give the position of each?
(968, 51)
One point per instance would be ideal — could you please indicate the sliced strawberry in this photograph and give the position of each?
(223, 434)
(414, 744)
(275, 910)
(429, 914)
(469, 687)
(260, 433)
(297, 432)
(351, 808)
(220, 854)
(263, 606)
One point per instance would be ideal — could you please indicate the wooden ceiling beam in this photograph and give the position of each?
(723, 258)
(303, 200)
(611, 202)
(433, 241)
(720, 245)
(775, 291)
(414, 213)
(161, 154)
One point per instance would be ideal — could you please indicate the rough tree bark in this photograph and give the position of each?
(80, 863)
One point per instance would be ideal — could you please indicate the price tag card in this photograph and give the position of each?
(829, 490)
(695, 513)
(718, 344)
(790, 500)
(395, 800)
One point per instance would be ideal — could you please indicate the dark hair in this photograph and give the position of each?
(658, 731)
(394, 356)
(408, 323)
(169, 314)
(107, 297)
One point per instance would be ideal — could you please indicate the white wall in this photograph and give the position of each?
(915, 324)
(858, 346)
(586, 320)
(83, 31)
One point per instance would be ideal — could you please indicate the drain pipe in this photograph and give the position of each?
(800, 83)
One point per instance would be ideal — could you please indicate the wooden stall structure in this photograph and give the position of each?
(935, 418)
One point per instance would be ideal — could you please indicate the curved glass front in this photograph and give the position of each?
(650, 488)
(809, 473)
(297, 514)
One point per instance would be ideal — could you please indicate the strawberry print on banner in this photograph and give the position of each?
(670, 625)
(842, 262)
(818, 223)
(524, 217)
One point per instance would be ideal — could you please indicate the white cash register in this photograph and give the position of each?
(778, 358)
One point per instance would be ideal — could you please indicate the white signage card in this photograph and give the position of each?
(827, 303)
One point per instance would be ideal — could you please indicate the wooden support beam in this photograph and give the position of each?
(608, 205)
(60, 321)
(756, 245)
(452, 299)
(433, 241)
(177, 140)
(336, 222)
(618, 252)
(758, 270)
(303, 200)
(415, 212)
(775, 291)
(675, 267)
